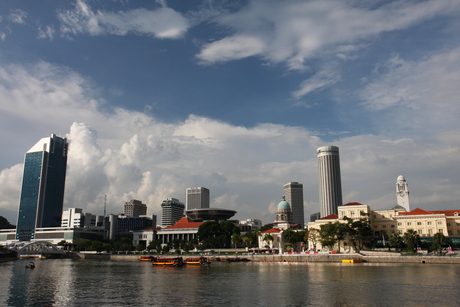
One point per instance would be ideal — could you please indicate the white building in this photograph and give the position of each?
(329, 180)
(402, 193)
(75, 218)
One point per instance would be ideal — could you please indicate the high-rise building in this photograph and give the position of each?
(293, 191)
(402, 193)
(134, 208)
(197, 198)
(43, 183)
(172, 211)
(329, 180)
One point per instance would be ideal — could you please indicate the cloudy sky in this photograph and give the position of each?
(235, 96)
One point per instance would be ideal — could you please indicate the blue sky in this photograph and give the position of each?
(236, 96)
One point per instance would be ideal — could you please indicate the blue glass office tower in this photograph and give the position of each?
(43, 182)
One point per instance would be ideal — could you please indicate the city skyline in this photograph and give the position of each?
(158, 96)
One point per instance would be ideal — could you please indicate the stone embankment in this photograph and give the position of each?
(369, 257)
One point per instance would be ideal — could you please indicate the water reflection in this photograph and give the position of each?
(66, 282)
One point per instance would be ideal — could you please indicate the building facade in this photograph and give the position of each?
(402, 193)
(197, 198)
(172, 210)
(329, 180)
(75, 218)
(43, 183)
(134, 208)
(293, 191)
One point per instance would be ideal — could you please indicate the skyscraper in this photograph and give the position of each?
(293, 191)
(134, 208)
(43, 182)
(197, 198)
(329, 180)
(402, 192)
(172, 211)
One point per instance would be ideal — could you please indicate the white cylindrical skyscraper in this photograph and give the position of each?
(329, 180)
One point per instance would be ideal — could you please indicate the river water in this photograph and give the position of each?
(68, 282)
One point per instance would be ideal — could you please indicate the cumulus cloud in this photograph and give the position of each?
(127, 154)
(293, 32)
(160, 23)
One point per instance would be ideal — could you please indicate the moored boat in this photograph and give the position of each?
(177, 261)
(146, 258)
(354, 260)
(197, 261)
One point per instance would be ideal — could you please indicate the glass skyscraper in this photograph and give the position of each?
(43, 182)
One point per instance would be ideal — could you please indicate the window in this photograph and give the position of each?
(384, 226)
(352, 213)
(440, 230)
(420, 231)
(399, 224)
(392, 226)
(428, 223)
(430, 231)
(419, 223)
(439, 223)
(448, 224)
(409, 223)
(400, 231)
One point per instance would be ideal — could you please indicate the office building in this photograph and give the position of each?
(172, 211)
(293, 192)
(402, 193)
(43, 182)
(76, 218)
(134, 208)
(329, 180)
(197, 198)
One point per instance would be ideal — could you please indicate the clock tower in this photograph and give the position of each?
(402, 193)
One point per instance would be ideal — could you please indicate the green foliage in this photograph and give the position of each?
(396, 241)
(328, 234)
(412, 240)
(439, 240)
(217, 235)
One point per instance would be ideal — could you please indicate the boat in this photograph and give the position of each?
(146, 258)
(354, 260)
(31, 265)
(235, 259)
(197, 261)
(177, 261)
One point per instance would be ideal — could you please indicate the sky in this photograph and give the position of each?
(236, 96)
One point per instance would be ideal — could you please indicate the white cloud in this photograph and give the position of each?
(161, 23)
(126, 154)
(18, 16)
(421, 95)
(323, 78)
(294, 31)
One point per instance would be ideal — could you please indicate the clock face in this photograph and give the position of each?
(401, 193)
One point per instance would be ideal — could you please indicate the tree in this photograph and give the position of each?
(236, 239)
(328, 234)
(216, 235)
(313, 237)
(439, 240)
(412, 240)
(396, 241)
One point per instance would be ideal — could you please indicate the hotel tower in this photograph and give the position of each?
(330, 186)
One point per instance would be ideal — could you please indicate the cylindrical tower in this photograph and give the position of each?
(329, 180)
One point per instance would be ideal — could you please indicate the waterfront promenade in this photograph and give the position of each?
(371, 257)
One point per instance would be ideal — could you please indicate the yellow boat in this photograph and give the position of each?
(354, 260)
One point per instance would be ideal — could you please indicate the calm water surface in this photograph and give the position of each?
(66, 282)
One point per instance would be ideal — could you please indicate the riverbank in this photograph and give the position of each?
(368, 257)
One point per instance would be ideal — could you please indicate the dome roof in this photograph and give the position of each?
(401, 178)
(284, 205)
